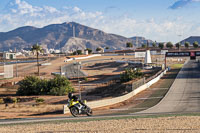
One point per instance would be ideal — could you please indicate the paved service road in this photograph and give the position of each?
(184, 94)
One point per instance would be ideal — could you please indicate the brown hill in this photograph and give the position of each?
(60, 36)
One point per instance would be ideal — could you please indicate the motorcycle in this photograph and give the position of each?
(78, 108)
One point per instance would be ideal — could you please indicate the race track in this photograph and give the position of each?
(184, 94)
(183, 97)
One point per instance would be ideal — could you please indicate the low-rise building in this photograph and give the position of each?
(9, 55)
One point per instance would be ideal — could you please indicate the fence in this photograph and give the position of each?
(130, 86)
(138, 83)
(72, 71)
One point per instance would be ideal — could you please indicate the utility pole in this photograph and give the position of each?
(78, 65)
(16, 69)
(78, 75)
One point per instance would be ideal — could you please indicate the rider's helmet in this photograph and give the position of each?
(70, 95)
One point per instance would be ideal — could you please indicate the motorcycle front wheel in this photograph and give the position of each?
(74, 111)
(89, 111)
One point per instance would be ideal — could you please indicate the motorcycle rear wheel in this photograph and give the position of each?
(74, 111)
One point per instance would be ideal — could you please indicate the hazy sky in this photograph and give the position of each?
(160, 20)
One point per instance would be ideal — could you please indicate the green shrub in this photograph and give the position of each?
(29, 86)
(8, 100)
(60, 86)
(130, 74)
(44, 87)
(89, 50)
(86, 79)
(39, 100)
(32, 85)
(58, 91)
(78, 52)
(1, 101)
(98, 49)
(15, 100)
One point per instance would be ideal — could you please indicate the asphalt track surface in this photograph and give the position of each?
(184, 94)
(183, 97)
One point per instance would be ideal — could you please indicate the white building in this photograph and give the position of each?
(54, 51)
(46, 51)
(8, 55)
(85, 52)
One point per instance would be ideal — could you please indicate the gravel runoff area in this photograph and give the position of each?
(170, 124)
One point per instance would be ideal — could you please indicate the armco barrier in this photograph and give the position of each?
(79, 58)
(107, 102)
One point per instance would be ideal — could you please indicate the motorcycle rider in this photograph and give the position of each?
(75, 98)
(72, 97)
(77, 106)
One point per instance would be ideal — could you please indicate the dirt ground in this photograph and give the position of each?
(53, 104)
(175, 124)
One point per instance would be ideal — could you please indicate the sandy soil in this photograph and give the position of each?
(180, 124)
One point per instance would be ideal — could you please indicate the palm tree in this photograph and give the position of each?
(178, 45)
(37, 48)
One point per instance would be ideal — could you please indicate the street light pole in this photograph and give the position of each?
(180, 35)
(16, 69)
(78, 74)
(79, 64)
(78, 81)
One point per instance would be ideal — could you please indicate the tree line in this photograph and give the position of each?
(168, 45)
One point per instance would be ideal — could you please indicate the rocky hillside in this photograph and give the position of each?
(61, 36)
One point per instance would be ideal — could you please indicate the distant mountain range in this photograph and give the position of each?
(61, 36)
